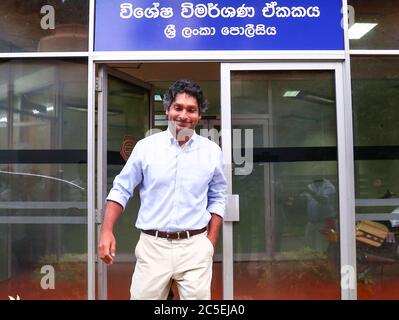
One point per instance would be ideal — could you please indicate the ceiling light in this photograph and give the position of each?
(3, 119)
(358, 30)
(308, 96)
(50, 108)
(157, 97)
(291, 94)
(35, 111)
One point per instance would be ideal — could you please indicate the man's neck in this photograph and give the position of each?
(182, 136)
(183, 142)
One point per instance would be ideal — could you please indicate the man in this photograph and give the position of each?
(320, 195)
(183, 197)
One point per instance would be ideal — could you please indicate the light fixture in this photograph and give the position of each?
(308, 96)
(35, 111)
(157, 97)
(358, 30)
(291, 93)
(3, 120)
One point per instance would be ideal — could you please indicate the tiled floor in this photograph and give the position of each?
(251, 282)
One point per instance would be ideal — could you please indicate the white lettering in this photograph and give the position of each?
(348, 277)
(351, 17)
(271, 9)
(48, 280)
(170, 31)
(127, 11)
(247, 159)
(249, 31)
(48, 21)
(166, 310)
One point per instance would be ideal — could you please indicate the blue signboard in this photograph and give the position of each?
(164, 25)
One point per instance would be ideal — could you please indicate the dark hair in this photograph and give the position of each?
(185, 86)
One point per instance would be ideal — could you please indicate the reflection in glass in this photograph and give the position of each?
(377, 258)
(44, 25)
(128, 118)
(375, 82)
(43, 193)
(384, 15)
(287, 236)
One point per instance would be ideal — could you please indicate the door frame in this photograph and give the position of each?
(104, 71)
(345, 175)
(345, 167)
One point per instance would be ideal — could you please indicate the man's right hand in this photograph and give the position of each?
(107, 243)
(107, 247)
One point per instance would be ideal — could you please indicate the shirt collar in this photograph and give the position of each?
(173, 140)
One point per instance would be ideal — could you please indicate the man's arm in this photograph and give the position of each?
(217, 194)
(107, 243)
(322, 199)
(214, 228)
(123, 187)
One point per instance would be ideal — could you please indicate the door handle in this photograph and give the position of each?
(232, 208)
(99, 215)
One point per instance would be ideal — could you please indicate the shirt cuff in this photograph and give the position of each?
(114, 195)
(217, 208)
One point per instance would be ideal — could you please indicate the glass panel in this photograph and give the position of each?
(286, 243)
(128, 121)
(375, 83)
(249, 97)
(375, 24)
(28, 26)
(160, 76)
(43, 192)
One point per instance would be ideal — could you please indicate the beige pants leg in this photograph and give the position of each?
(187, 261)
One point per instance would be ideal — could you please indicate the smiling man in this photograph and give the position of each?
(183, 199)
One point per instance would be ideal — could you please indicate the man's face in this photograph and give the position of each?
(183, 113)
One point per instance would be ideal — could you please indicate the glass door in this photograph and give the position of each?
(43, 174)
(288, 235)
(124, 105)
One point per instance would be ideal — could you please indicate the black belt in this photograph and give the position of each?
(175, 235)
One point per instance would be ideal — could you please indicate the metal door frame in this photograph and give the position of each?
(344, 144)
(101, 87)
(345, 171)
(265, 123)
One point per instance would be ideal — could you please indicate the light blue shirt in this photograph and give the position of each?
(179, 187)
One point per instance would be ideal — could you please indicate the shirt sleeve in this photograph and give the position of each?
(217, 191)
(130, 176)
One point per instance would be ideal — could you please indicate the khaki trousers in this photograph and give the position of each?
(159, 260)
